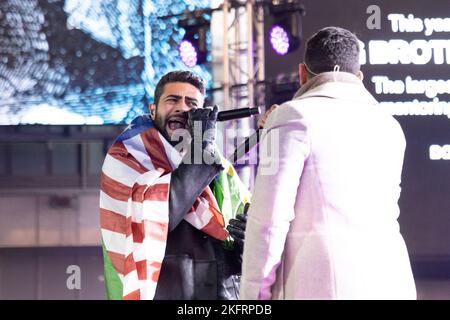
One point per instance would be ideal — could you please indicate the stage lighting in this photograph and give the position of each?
(193, 48)
(188, 53)
(285, 33)
(279, 39)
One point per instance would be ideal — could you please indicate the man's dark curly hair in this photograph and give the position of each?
(332, 46)
(179, 76)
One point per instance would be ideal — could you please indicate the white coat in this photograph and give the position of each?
(323, 225)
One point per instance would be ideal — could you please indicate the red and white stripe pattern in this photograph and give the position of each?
(134, 209)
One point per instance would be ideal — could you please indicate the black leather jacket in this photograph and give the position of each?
(196, 266)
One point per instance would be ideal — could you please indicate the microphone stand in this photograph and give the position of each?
(249, 143)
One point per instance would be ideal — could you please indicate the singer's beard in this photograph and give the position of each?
(162, 125)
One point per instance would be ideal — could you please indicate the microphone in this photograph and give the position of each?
(237, 113)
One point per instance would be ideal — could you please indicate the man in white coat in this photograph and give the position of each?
(324, 224)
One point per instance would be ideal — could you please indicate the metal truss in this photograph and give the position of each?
(242, 70)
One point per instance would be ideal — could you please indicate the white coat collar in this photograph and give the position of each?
(336, 85)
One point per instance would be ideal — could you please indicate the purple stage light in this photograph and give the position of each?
(188, 53)
(279, 40)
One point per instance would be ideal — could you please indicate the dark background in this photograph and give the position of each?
(425, 200)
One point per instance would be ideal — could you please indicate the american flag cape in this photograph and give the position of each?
(134, 208)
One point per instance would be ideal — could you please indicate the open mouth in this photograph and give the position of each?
(177, 123)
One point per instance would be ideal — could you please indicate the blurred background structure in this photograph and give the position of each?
(74, 73)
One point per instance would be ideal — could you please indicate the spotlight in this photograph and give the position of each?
(193, 48)
(188, 53)
(285, 33)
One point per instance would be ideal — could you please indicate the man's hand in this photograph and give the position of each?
(236, 228)
(262, 121)
(202, 123)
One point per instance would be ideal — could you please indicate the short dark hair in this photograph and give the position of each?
(332, 46)
(179, 76)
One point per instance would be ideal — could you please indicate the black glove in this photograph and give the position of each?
(236, 228)
(199, 166)
(202, 123)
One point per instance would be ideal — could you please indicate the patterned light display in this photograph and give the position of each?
(86, 61)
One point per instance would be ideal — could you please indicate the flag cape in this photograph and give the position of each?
(134, 208)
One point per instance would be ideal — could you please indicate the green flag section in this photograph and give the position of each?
(113, 284)
(229, 191)
(231, 195)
